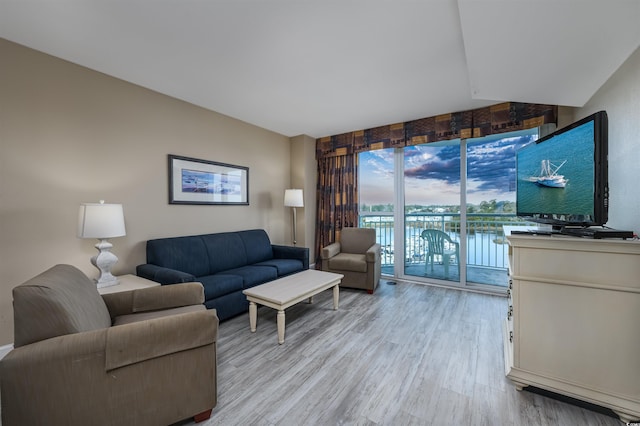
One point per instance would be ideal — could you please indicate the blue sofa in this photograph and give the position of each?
(225, 263)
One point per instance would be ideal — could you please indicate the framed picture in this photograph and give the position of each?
(194, 181)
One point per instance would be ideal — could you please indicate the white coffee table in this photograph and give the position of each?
(285, 292)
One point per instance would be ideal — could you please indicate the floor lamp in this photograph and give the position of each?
(293, 198)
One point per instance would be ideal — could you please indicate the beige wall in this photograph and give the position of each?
(304, 174)
(620, 97)
(70, 135)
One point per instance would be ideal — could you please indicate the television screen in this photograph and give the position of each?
(562, 177)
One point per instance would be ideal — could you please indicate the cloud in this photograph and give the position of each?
(492, 166)
(435, 169)
(439, 163)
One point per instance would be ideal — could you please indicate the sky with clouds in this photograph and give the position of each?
(432, 172)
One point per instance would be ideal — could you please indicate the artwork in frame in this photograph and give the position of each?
(194, 181)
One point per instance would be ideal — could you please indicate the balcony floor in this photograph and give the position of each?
(475, 274)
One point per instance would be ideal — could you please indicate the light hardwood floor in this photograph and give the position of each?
(407, 355)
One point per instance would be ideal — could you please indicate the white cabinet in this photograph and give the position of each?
(573, 322)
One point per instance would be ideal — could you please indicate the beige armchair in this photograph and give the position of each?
(357, 256)
(141, 357)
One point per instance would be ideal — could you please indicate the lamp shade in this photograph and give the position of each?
(99, 220)
(293, 198)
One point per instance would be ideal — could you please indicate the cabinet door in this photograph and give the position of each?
(580, 335)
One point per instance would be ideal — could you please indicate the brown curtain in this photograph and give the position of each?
(337, 197)
(337, 191)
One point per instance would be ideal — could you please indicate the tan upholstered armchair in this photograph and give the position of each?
(141, 357)
(356, 256)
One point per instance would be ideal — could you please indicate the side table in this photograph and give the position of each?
(128, 282)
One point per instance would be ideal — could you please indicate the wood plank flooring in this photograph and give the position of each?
(407, 355)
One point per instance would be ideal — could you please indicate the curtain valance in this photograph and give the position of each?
(500, 118)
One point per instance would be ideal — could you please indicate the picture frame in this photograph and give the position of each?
(195, 181)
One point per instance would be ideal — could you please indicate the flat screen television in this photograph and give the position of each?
(562, 178)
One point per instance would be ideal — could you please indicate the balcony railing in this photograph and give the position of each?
(486, 245)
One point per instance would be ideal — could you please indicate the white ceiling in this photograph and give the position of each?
(323, 67)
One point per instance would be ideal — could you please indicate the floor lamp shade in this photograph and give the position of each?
(293, 198)
(102, 221)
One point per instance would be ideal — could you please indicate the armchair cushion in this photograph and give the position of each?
(68, 297)
(349, 262)
(146, 340)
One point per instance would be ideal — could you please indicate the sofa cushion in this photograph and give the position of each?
(257, 245)
(186, 254)
(220, 284)
(349, 262)
(230, 305)
(62, 300)
(283, 266)
(225, 251)
(253, 275)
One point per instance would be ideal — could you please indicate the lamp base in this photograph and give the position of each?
(104, 261)
(106, 283)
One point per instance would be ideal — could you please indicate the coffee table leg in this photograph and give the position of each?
(280, 318)
(253, 316)
(336, 296)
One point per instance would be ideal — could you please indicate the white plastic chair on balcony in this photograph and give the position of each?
(439, 243)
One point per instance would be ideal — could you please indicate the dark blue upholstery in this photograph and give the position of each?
(225, 263)
(230, 305)
(283, 266)
(253, 275)
(220, 284)
(186, 254)
(226, 251)
(257, 244)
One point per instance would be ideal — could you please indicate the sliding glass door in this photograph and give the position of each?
(432, 211)
(439, 208)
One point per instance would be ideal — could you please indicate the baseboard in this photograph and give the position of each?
(5, 350)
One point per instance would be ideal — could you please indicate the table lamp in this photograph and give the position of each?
(102, 221)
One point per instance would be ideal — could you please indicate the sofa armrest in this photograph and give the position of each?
(331, 250)
(35, 356)
(163, 275)
(154, 298)
(289, 252)
(139, 341)
(373, 253)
